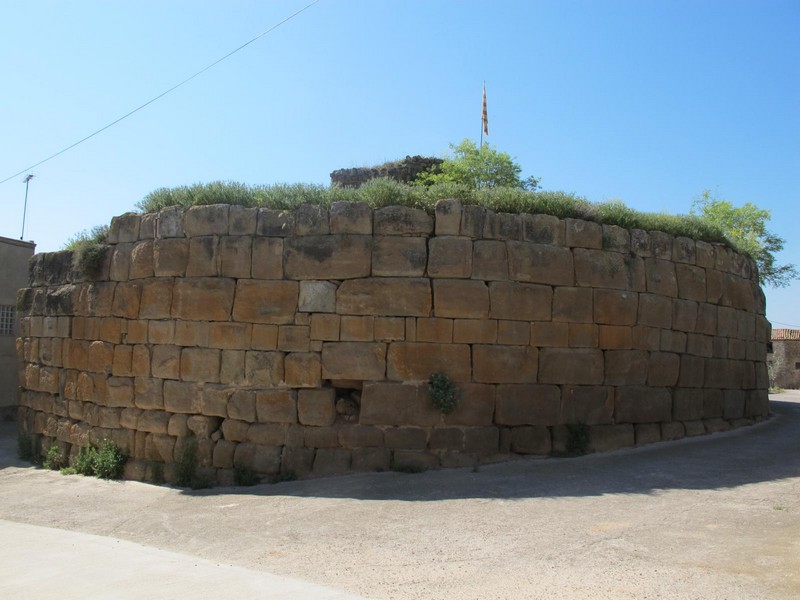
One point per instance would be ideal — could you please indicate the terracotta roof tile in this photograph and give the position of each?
(786, 334)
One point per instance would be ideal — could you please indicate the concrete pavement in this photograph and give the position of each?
(709, 517)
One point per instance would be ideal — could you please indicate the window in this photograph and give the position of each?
(7, 317)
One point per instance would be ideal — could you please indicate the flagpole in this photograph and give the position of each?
(483, 112)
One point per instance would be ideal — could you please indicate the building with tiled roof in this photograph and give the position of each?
(784, 360)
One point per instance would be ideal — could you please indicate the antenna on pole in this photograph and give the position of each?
(27, 181)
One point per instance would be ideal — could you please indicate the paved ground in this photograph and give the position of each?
(713, 517)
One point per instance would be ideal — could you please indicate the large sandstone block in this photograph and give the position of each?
(124, 228)
(663, 369)
(600, 269)
(684, 315)
(409, 361)
(206, 220)
(615, 307)
(540, 263)
(273, 222)
(265, 301)
(120, 267)
(402, 220)
(450, 257)
(317, 297)
(458, 298)
(688, 404)
(328, 257)
(200, 364)
(655, 311)
(203, 257)
(202, 299)
(267, 258)
(276, 406)
(316, 407)
(571, 366)
(235, 256)
(531, 440)
(142, 260)
(573, 305)
(435, 330)
(475, 406)
(520, 301)
(504, 364)
(398, 256)
(391, 296)
(528, 405)
(403, 404)
(472, 331)
(661, 278)
(691, 282)
(156, 299)
(448, 217)
(311, 219)
(626, 367)
(588, 405)
(302, 369)
(604, 438)
(263, 368)
(583, 234)
(489, 260)
(170, 257)
(640, 404)
(353, 360)
(261, 459)
(616, 238)
(351, 217)
(181, 397)
(242, 220)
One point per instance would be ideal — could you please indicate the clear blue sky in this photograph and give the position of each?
(646, 101)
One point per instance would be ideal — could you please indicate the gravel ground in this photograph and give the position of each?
(710, 517)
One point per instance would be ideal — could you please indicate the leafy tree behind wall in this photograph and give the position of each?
(746, 226)
(479, 167)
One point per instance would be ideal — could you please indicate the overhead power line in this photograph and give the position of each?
(162, 94)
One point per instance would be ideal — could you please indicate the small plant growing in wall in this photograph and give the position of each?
(106, 462)
(54, 460)
(442, 392)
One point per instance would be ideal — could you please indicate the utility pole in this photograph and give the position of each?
(27, 181)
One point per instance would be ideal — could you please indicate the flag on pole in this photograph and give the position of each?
(485, 115)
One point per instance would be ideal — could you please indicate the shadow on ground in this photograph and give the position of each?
(768, 451)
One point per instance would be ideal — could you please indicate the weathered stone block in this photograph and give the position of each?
(264, 337)
(616, 239)
(242, 220)
(626, 367)
(266, 434)
(203, 299)
(231, 367)
(489, 260)
(640, 404)
(414, 461)
(472, 331)
(120, 267)
(263, 368)
(584, 335)
(206, 220)
(328, 257)
(203, 257)
(504, 364)
(214, 400)
(577, 366)
(124, 228)
(223, 453)
(200, 364)
(101, 357)
(360, 436)
(687, 404)
(692, 372)
(267, 258)
(170, 257)
(448, 217)
(331, 461)
(351, 217)
(402, 220)
(599, 269)
(527, 405)
(661, 277)
(547, 334)
(311, 219)
(615, 307)
(234, 431)
(663, 369)
(229, 336)
(394, 296)
(235, 256)
(733, 405)
(450, 257)
(417, 361)
(540, 263)
(316, 407)
(388, 329)
(317, 297)
(434, 330)
(321, 437)
(408, 438)
(402, 404)
(261, 459)
(398, 256)
(153, 421)
(583, 234)
(276, 406)
(142, 263)
(655, 311)
(512, 333)
(531, 440)
(573, 305)
(179, 396)
(672, 431)
(353, 360)
(297, 462)
(274, 222)
(357, 329)
(293, 338)
(520, 301)
(604, 438)
(502, 226)
(460, 298)
(325, 327)
(265, 301)
(120, 392)
(302, 369)
(588, 405)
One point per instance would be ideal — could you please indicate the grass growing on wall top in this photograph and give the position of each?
(386, 192)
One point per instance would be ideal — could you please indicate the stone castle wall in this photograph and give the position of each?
(301, 342)
(404, 171)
